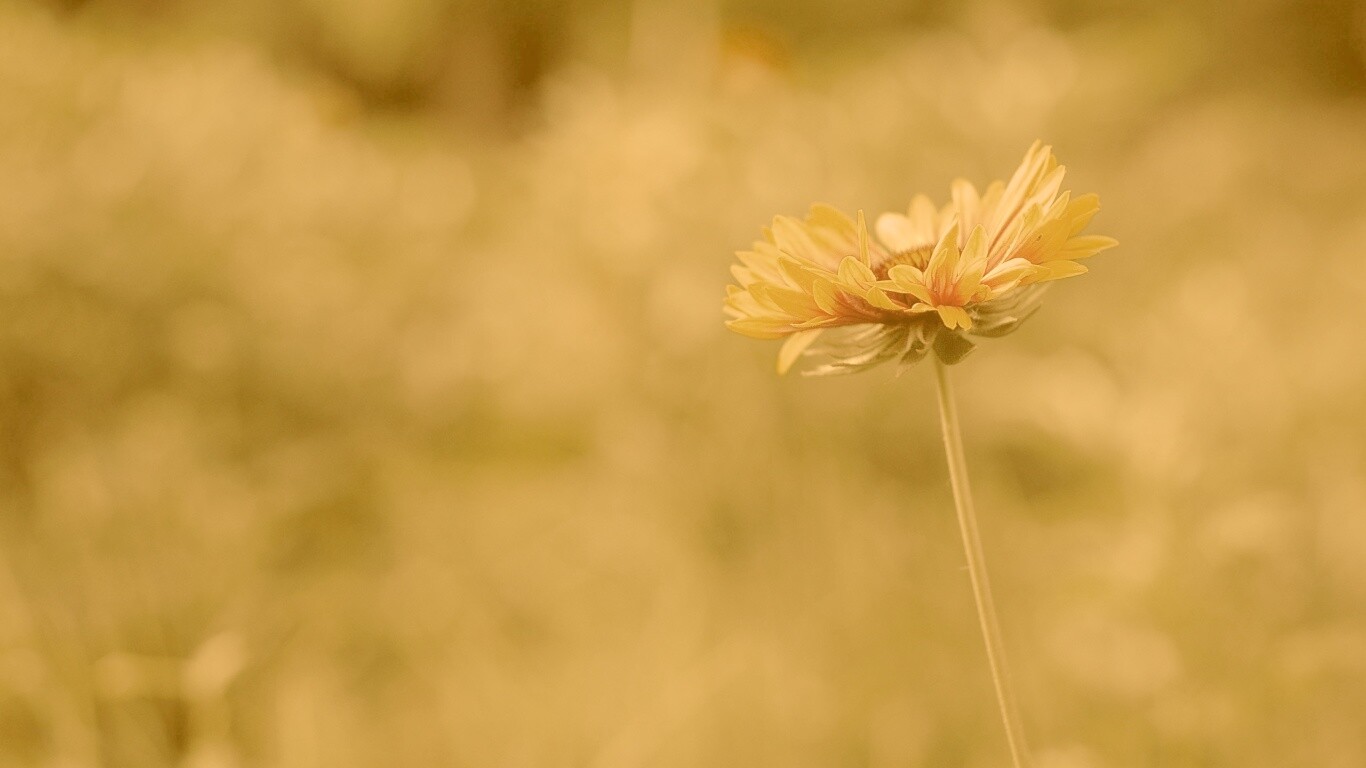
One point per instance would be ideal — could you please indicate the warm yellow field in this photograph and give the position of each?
(365, 398)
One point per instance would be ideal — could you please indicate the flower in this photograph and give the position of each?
(977, 266)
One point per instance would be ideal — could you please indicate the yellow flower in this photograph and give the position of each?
(932, 275)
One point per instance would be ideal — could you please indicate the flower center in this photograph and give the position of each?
(916, 257)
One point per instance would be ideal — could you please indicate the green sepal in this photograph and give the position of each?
(951, 348)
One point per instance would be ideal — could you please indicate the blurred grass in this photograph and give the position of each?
(364, 399)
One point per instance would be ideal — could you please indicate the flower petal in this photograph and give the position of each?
(855, 273)
(1086, 246)
(954, 317)
(945, 257)
(1057, 270)
(925, 218)
(898, 232)
(965, 202)
(879, 298)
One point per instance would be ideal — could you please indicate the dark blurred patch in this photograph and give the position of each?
(727, 532)
(24, 736)
(809, 23)
(479, 62)
(344, 530)
(139, 727)
(484, 434)
(1043, 471)
(906, 449)
(371, 660)
(523, 628)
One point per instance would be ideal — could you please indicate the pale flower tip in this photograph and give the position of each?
(1037, 153)
(1058, 270)
(897, 232)
(946, 255)
(975, 249)
(950, 234)
(862, 224)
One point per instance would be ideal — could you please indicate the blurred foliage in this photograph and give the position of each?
(364, 399)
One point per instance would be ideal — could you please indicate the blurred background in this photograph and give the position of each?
(365, 400)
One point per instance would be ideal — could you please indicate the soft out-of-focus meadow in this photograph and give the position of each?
(364, 398)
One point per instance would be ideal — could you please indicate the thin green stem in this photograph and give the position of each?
(981, 585)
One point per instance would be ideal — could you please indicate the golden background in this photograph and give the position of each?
(365, 400)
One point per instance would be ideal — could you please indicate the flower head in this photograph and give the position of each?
(976, 266)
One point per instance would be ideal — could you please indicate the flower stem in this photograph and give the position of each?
(981, 585)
